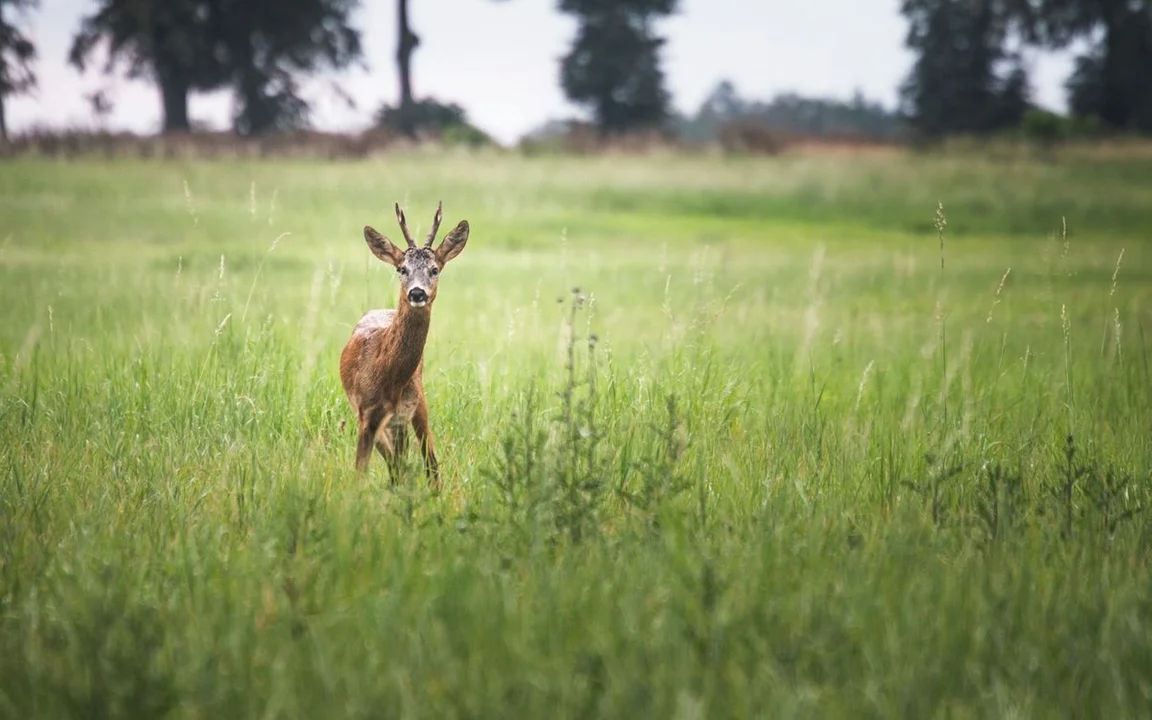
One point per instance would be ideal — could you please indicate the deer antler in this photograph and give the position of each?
(404, 226)
(435, 224)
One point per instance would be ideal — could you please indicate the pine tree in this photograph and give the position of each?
(614, 65)
(963, 80)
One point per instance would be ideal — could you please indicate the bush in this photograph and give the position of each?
(748, 137)
(1044, 127)
(432, 119)
(1048, 128)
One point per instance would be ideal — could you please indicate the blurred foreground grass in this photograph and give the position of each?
(806, 468)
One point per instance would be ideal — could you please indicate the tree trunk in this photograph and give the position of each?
(407, 44)
(3, 118)
(257, 116)
(1115, 105)
(174, 95)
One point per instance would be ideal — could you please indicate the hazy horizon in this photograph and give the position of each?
(500, 61)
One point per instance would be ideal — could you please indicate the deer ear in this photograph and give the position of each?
(382, 248)
(453, 243)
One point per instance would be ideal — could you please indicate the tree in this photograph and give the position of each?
(1112, 81)
(963, 80)
(410, 116)
(16, 55)
(167, 41)
(614, 66)
(723, 103)
(269, 43)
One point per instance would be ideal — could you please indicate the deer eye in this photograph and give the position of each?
(434, 272)
(402, 270)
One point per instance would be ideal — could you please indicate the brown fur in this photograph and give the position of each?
(382, 365)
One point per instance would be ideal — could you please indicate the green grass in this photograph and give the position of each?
(803, 471)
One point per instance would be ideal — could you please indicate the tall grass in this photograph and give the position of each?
(756, 463)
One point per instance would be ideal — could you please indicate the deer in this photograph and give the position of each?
(381, 366)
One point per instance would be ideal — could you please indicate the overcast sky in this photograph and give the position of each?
(500, 60)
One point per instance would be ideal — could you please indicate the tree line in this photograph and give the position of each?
(968, 75)
(789, 114)
(260, 50)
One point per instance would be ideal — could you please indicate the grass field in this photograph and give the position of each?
(801, 444)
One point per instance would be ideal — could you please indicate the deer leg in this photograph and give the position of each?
(424, 435)
(370, 419)
(392, 449)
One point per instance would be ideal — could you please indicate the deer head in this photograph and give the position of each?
(418, 267)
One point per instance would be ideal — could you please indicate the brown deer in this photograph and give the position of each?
(382, 364)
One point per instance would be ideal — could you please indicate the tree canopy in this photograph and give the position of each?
(258, 48)
(270, 43)
(175, 43)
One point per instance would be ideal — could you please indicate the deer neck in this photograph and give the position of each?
(405, 340)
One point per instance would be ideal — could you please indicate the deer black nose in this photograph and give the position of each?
(417, 295)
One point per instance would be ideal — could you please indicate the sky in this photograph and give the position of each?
(500, 61)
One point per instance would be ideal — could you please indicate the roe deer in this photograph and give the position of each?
(381, 366)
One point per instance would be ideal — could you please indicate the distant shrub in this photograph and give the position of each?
(548, 138)
(434, 120)
(748, 137)
(79, 143)
(1047, 128)
(1085, 126)
(469, 135)
(580, 137)
(1044, 127)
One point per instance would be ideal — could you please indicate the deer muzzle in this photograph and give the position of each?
(417, 297)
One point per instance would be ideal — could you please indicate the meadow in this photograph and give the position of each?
(821, 435)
